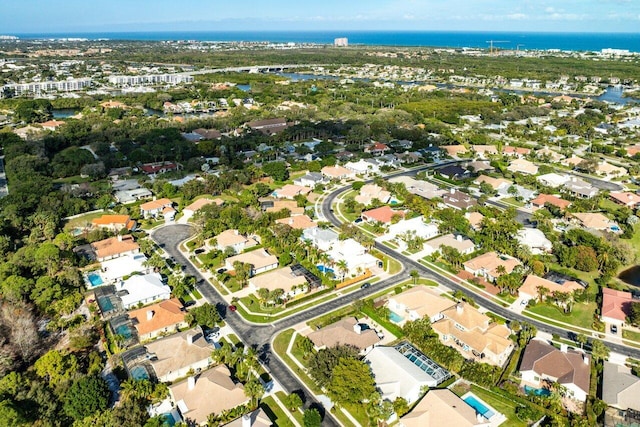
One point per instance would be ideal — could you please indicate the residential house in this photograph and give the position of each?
(387, 160)
(114, 223)
(173, 356)
(397, 376)
(479, 166)
(512, 151)
(523, 193)
(269, 126)
(495, 183)
(580, 188)
(543, 364)
(355, 256)
(363, 167)
(114, 247)
(473, 334)
(311, 179)
(553, 180)
(161, 167)
(453, 172)
(409, 157)
(208, 133)
(572, 161)
(154, 208)
(259, 260)
(382, 214)
(475, 219)
(298, 222)
(420, 188)
(290, 191)
(462, 244)
(115, 269)
(625, 198)
(194, 207)
(282, 278)
(234, 240)
(347, 331)
(257, 418)
(321, 238)
(535, 240)
(616, 306)
(142, 289)
(132, 195)
(441, 407)
(276, 205)
(210, 392)
(369, 192)
(417, 303)
(484, 150)
(414, 226)
(595, 221)
(458, 200)
(487, 265)
(158, 319)
(376, 149)
(454, 150)
(52, 124)
(609, 171)
(523, 166)
(550, 155)
(543, 199)
(532, 285)
(337, 172)
(620, 388)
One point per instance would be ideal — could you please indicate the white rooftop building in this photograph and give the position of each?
(354, 254)
(142, 289)
(535, 240)
(117, 268)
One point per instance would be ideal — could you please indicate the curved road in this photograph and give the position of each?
(485, 302)
(260, 336)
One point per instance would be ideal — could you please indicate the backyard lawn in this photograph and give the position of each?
(500, 403)
(275, 413)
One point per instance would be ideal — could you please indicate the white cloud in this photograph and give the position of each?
(517, 16)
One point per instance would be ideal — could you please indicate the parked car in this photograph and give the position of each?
(614, 329)
(221, 270)
(233, 308)
(365, 285)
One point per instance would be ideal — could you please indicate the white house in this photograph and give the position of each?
(535, 240)
(354, 254)
(142, 289)
(363, 167)
(259, 260)
(417, 303)
(321, 238)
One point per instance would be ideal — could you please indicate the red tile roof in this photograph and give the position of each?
(382, 214)
(616, 304)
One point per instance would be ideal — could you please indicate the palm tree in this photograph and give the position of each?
(543, 291)
(254, 391)
(414, 275)
(343, 268)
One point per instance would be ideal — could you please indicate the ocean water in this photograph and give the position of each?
(479, 39)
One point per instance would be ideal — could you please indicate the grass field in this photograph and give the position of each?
(275, 413)
(581, 315)
(84, 220)
(501, 404)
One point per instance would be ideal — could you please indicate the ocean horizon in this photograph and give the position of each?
(451, 39)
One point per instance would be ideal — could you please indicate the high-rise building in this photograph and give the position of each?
(341, 42)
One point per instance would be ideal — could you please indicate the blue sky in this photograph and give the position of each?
(39, 16)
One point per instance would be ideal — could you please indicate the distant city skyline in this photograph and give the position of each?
(60, 16)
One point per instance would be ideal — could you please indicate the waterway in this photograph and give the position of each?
(631, 276)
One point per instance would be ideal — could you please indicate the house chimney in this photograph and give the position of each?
(119, 238)
(459, 237)
(191, 382)
(585, 359)
(357, 329)
(453, 191)
(150, 314)
(459, 308)
(246, 420)
(563, 348)
(189, 339)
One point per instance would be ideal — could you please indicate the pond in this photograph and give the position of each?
(631, 276)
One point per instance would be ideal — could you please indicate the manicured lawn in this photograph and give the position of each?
(631, 335)
(329, 318)
(385, 323)
(280, 344)
(501, 404)
(512, 201)
(341, 417)
(296, 414)
(277, 416)
(358, 412)
(634, 241)
(581, 315)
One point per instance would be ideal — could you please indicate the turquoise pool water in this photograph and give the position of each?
(168, 420)
(124, 330)
(537, 391)
(479, 407)
(323, 269)
(395, 317)
(95, 279)
(140, 373)
(105, 304)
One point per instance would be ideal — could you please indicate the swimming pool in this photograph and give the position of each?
(140, 373)
(168, 420)
(323, 269)
(480, 408)
(95, 279)
(124, 330)
(105, 304)
(395, 317)
(537, 391)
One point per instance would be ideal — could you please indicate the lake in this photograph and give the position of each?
(631, 276)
